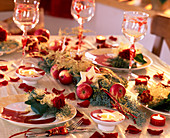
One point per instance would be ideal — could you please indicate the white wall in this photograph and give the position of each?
(107, 21)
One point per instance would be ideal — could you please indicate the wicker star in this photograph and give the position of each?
(91, 75)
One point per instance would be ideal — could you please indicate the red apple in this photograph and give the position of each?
(54, 71)
(95, 68)
(65, 77)
(43, 35)
(84, 91)
(3, 34)
(117, 90)
(55, 45)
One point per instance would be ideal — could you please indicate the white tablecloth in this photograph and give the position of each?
(48, 82)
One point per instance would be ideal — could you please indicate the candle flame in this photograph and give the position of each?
(158, 117)
(100, 37)
(148, 7)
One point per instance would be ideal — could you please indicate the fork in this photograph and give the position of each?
(71, 128)
(75, 125)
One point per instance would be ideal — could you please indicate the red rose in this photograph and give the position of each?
(145, 97)
(125, 54)
(3, 34)
(59, 101)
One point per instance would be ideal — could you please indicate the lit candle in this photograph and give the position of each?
(157, 120)
(100, 39)
(141, 80)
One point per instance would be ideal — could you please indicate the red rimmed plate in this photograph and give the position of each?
(16, 103)
(101, 56)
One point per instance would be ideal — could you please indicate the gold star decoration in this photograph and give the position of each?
(91, 75)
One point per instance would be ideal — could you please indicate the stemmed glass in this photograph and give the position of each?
(134, 28)
(82, 11)
(26, 16)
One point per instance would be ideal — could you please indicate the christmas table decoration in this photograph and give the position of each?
(157, 120)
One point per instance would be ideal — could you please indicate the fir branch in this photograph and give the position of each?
(100, 98)
(141, 88)
(132, 107)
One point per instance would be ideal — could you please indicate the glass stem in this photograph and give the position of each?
(80, 37)
(132, 52)
(24, 41)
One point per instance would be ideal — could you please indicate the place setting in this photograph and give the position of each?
(73, 85)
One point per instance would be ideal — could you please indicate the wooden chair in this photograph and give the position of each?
(160, 26)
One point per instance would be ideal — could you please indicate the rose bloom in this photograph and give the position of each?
(59, 101)
(125, 54)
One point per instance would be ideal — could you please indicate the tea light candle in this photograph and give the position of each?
(157, 120)
(100, 39)
(141, 80)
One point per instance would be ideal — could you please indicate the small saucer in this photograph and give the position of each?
(30, 75)
(107, 119)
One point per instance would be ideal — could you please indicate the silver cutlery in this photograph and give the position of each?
(55, 131)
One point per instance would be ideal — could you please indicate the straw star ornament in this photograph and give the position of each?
(90, 75)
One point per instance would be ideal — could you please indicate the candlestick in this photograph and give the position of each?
(100, 39)
(157, 120)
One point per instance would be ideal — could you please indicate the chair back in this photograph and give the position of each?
(160, 26)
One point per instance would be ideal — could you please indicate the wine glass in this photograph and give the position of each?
(26, 16)
(82, 11)
(134, 28)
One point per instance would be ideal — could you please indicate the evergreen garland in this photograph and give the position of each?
(132, 106)
(99, 98)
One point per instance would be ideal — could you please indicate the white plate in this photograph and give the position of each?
(156, 111)
(100, 56)
(20, 106)
(9, 46)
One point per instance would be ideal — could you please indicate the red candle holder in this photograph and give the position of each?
(141, 80)
(157, 120)
(100, 39)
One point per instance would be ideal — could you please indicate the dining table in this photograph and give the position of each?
(7, 93)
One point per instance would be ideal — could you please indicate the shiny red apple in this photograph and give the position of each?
(54, 71)
(117, 90)
(42, 34)
(84, 91)
(65, 77)
(55, 45)
(3, 34)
